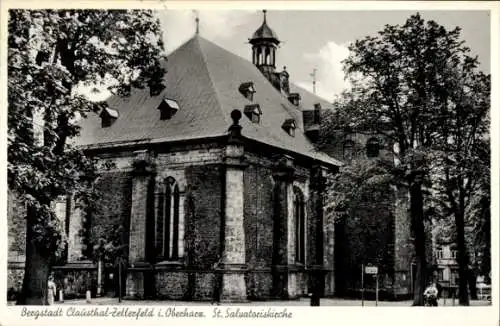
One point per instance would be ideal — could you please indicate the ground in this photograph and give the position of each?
(292, 303)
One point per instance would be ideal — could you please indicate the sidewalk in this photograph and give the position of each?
(291, 303)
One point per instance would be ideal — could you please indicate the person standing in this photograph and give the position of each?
(217, 281)
(51, 290)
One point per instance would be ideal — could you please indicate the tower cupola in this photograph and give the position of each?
(264, 44)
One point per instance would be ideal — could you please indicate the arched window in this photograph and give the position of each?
(260, 56)
(169, 220)
(372, 147)
(267, 59)
(348, 150)
(300, 226)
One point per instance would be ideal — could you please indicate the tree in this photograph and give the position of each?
(397, 92)
(461, 178)
(361, 204)
(51, 54)
(461, 145)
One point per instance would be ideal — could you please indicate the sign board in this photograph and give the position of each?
(371, 270)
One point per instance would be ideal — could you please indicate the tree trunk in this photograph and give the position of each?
(417, 221)
(37, 267)
(463, 294)
(472, 285)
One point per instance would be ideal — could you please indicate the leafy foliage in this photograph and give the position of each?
(51, 55)
(361, 204)
(417, 86)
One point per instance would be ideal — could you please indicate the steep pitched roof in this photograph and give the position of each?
(204, 80)
(264, 32)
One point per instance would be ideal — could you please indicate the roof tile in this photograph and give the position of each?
(204, 80)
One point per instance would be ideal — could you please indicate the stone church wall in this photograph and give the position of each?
(16, 221)
(200, 173)
(201, 177)
(112, 216)
(258, 208)
(392, 221)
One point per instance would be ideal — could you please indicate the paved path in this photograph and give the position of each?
(291, 303)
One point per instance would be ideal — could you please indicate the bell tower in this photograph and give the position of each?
(264, 44)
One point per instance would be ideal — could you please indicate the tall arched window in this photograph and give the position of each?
(169, 219)
(300, 226)
(372, 147)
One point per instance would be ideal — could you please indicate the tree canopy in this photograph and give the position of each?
(51, 55)
(417, 86)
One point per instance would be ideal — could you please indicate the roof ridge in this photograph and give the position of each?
(216, 92)
(310, 93)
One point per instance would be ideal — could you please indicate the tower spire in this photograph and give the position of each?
(265, 15)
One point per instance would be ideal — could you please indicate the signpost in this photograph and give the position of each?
(370, 270)
(119, 262)
(373, 270)
(362, 285)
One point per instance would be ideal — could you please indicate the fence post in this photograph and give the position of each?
(120, 280)
(88, 297)
(99, 277)
(362, 285)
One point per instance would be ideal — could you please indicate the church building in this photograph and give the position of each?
(216, 180)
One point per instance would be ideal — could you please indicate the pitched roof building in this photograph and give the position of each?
(205, 84)
(213, 186)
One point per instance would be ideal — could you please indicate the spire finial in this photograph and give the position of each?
(197, 22)
(265, 15)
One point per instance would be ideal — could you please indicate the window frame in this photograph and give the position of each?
(300, 220)
(168, 220)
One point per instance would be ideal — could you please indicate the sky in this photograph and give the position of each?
(315, 39)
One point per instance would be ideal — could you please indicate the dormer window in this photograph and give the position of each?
(317, 113)
(253, 112)
(289, 126)
(294, 98)
(108, 117)
(168, 108)
(247, 89)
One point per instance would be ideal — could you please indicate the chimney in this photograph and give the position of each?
(284, 81)
(312, 121)
(317, 113)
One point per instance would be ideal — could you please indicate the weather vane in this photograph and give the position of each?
(313, 75)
